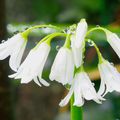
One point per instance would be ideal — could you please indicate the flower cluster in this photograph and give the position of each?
(67, 67)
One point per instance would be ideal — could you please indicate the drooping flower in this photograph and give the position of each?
(114, 41)
(77, 42)
(110, 78)
(80, 33)
(82, 88)
(63, 66)
(13, 47)
(33, 65)
(77, 52)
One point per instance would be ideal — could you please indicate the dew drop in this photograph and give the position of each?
(2, 41)
(112, 64)
(58, 47)
(66, 30)
(93, 84)
(16, 32)
(90, 43)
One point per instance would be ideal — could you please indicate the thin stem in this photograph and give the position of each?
(76, 112)
(26, 32)
(100, 57)
(48, 38)
(67, 41)
(55, 35)
(94, 29)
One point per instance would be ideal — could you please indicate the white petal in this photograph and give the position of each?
(7, 47)
(13, 75)
(44, 82)
(114, 41)
(26, 79)
(10, 42)
(58, 67)
(62, 68)
(110, 77)
(69, 69)
(16, 55)
(37, 81)
(77, 52)
(103, 89)
(78, 98)
(80, 33)
(67, 98)
(88, 90)
(33, 64)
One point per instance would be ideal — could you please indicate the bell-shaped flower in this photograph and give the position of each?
(110, 78)
(33, 65)
(80, 33)
(13, 47)
(82, 88)
(114, 41)
(77, 52)
(63, 67)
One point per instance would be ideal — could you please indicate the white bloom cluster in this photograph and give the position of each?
(67, 67)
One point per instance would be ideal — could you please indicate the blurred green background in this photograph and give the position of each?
(31, 102)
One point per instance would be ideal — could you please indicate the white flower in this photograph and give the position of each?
(33, 65)
(114, 41)
(82, 88)
(110, 78)
(80, 33)
(77, 52)
(13, 47)
(63, 67)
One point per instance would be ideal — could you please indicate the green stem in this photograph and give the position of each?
(67, 41)
(100, 57)
(48, 38)
(94, 29)
(26, 32)
(53, 36)
(76, 112)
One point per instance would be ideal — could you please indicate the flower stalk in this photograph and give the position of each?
(26, 32)
(76, 112)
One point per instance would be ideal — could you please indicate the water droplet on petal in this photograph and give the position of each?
(16, 32)
(93, 84)
(112, 64)
(58, 47)
(2, 41)
(90, 43)
(66, 30)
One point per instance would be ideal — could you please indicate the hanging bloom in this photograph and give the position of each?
(110, 78)
(63, 67)
(77, 52)
(33, 65)
(13, 47)
(114, 41)
(77, 42)
(80, 33)
(82, 88)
